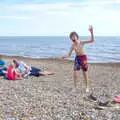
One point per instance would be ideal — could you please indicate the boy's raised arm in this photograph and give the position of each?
(69, 54)
(92, 36)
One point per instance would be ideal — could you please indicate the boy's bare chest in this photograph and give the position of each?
(77, 47)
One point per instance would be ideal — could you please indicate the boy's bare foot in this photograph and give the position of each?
(87, 90)
(51, 73)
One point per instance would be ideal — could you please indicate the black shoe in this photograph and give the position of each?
(92, 97)
(103, 103)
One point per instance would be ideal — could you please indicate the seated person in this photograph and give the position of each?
(26, 70)
(12, 74)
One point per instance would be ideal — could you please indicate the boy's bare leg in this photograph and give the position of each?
(44, 73)
(75, 76)
(85, 74)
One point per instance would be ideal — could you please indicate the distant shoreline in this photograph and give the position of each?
(53, 59)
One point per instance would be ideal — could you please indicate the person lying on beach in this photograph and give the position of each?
(12, 74)
(81, 58)
(26, 70)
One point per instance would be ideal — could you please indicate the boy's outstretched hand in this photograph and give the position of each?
(91, 28)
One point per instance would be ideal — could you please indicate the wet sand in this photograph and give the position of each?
(54, 97)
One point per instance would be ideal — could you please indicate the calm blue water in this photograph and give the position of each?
(105, 49)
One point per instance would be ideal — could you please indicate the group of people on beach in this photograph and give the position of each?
(19, 70)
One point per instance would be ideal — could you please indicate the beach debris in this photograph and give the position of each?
(98, 108)
(83, 116)
(116, 115)
(105, 104)
(91, 97)
(113, 102)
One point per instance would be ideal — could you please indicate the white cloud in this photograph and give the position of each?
(61, 18)
(15, 17)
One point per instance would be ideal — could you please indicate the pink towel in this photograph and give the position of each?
(117, 99)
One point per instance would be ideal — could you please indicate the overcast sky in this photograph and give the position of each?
(50, 17)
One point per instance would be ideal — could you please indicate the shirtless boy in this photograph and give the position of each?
(81, 58)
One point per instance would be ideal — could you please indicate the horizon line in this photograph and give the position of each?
(57, 36)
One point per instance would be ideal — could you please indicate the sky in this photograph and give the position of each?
(59, 18)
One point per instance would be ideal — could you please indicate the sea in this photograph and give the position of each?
(104, 49)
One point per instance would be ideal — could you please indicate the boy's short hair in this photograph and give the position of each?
(16, 62)
(74, 33)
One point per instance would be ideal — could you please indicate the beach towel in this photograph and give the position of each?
(2, 73)
(2, 65)
(2, 62)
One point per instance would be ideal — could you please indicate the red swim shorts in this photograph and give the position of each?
(81, 63)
